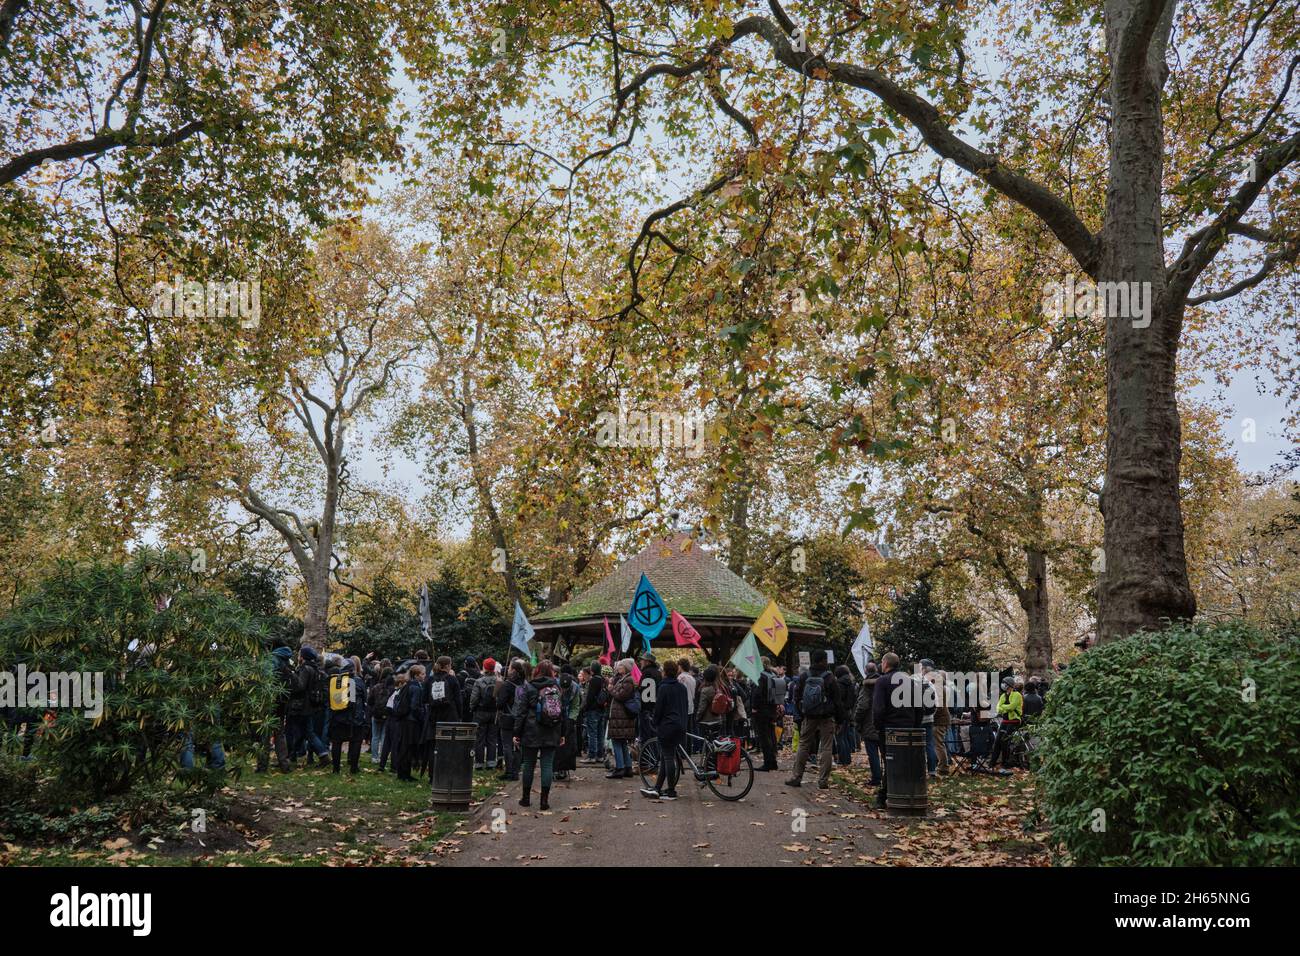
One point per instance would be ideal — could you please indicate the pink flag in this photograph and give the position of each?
(636, 674)
(686, 635)
(608, 656)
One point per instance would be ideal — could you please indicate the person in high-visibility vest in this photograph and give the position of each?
(1011, 708)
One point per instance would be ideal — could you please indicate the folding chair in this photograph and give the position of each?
(971, 744)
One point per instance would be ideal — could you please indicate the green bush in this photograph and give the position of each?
(1187, 741)
(177, 659)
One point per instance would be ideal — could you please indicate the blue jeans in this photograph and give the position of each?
(931, 756)
(594, 721)
(376, 738)
(622, 755)
(303, 736)
(873, 758)
(216, 755)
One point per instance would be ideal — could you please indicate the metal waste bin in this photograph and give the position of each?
(453, 766)
(905, 771)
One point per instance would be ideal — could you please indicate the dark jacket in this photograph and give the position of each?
(282, 674)
(594, 687)
(1033, 705)
(483, 698)
(305, 680)
(671, 709)
(863, 708)
(507, 694)
(441, 711)
(885, 713)
(844, 701)
(409, 708)
(759, 705)
(377, 697)
(530, 731)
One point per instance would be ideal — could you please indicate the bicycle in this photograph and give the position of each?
(730, 787)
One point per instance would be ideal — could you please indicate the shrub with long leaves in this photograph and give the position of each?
(1177, 748)
(178, 659)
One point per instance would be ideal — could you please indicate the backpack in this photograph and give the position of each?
(487, 694)
(815, 701)
(721, 702)
(340, 692)
(377, 698)
(775, 690)
(317, 686)
(549, 708)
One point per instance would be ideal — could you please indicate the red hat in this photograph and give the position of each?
(489, 665)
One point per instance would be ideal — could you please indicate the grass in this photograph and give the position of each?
(308, 817)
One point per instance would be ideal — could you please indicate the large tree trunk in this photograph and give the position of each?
(738, 529)
(1034, 600)
(315, 622)
(1145, 576)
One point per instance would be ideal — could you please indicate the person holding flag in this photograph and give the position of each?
(768, 707)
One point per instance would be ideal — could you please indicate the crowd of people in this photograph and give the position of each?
(543, 719)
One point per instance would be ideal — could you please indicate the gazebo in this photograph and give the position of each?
(719, 603)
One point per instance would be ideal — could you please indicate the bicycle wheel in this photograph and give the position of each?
(736, 785)
(648, 762)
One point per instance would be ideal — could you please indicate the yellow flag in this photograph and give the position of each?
(770, 628)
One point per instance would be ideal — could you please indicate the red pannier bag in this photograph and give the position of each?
(728, 763)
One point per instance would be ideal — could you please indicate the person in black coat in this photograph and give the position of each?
(672, 710)
(593, 714)
(408, 714)
(650, 674)
(442, 694)
(537, 732)
(507, 700)
(892, 706)
(350, 724)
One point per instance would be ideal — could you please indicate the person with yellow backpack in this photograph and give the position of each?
(349, 719)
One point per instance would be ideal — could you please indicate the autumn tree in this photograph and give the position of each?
(1180, 132)
(309, 423)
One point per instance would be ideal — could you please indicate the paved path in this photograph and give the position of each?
(607, 822)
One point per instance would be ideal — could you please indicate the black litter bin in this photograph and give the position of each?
(905, 771)
(453, 766)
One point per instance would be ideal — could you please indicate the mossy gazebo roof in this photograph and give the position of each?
(719, 603)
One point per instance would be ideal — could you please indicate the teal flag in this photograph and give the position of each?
(648, 614)
(746, 658)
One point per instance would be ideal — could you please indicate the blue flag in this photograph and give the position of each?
(522, 632)
(648, 613)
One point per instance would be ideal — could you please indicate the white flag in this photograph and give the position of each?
(625, 632)
(862, 648)
(426, 623)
